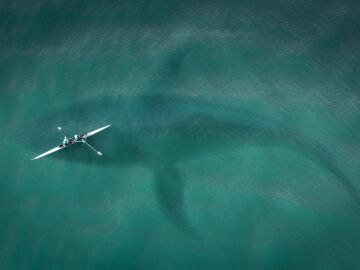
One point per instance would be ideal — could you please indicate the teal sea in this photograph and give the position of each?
(234, 143)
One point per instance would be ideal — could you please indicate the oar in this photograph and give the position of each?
(60, 129)
(98, 152)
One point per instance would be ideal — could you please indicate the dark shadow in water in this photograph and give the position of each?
(205, 133)
(140, 136)
(169, 190)
(321, 156)
(170, 70)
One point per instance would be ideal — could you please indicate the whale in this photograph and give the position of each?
(160, 131)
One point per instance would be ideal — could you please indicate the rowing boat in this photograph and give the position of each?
(71, 141)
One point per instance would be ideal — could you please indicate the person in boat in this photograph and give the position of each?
(67, 141)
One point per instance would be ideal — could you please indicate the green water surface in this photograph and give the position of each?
(234, 141)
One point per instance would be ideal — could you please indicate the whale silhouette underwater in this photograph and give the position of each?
(159, 131)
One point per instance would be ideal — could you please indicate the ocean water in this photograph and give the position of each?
(234, 141)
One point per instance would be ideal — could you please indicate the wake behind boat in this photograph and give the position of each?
(70, 141)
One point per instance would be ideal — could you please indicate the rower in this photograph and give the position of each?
(66, 140)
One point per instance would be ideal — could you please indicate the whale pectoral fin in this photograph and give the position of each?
(169, 189)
